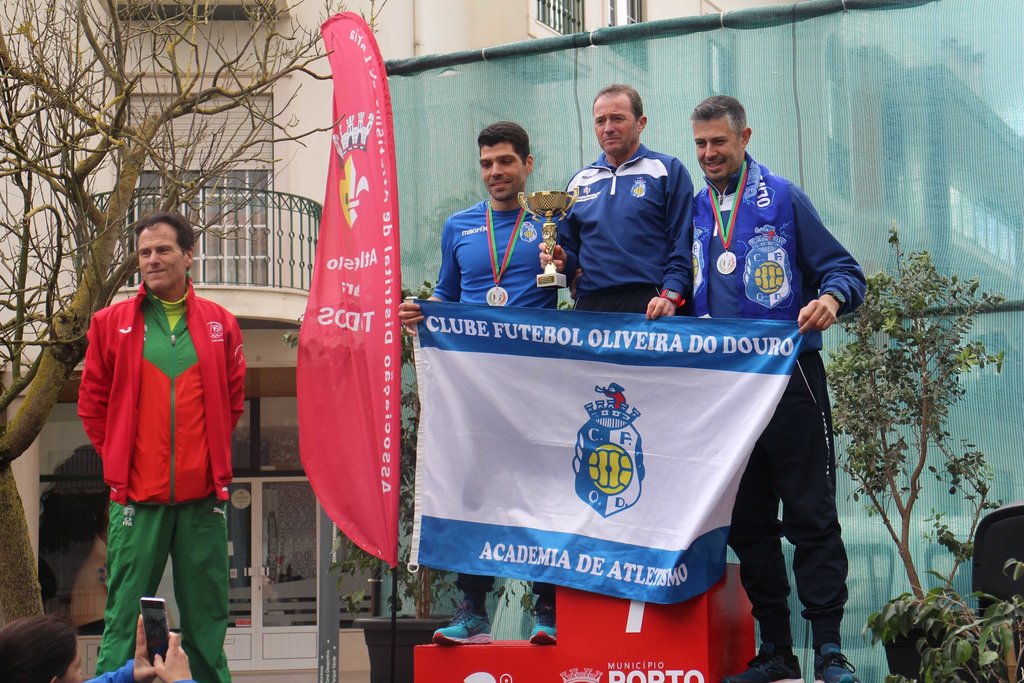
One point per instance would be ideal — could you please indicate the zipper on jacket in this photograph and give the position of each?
(174, 382)
(173, 426)
(162, 320)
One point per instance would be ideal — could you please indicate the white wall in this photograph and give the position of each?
(667, 9)
(410, 28)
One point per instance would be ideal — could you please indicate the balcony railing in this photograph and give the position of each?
(254, 238)
(563, 16)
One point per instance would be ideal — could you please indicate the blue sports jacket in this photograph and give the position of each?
(631, 224)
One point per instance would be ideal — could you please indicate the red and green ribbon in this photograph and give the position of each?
(498, 272)
(725, 233)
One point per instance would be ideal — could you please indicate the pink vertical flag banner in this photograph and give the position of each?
(348, 374)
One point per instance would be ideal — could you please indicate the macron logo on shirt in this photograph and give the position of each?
(472, 231)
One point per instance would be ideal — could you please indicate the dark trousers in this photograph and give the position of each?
(793, 462)
(625, 299)
(475, 589)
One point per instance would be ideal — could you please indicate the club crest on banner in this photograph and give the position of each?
(352, 135)
(609, 459)
(766, 273)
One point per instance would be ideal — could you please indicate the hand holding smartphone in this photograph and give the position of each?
(154, 622)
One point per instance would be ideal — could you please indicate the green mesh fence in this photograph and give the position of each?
(882, 110)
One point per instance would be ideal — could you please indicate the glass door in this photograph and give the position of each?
(278, 518)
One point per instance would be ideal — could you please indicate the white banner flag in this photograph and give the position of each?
(592, 450)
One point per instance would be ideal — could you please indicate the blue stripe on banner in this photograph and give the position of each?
(617, 569)
(757, 346)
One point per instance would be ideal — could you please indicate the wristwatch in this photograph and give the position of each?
(673, 296)
(837, 296)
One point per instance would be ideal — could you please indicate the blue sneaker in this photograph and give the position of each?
(544, 631)
(769, 667)
(831, 666)
(468, 627)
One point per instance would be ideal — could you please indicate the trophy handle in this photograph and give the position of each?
(572, 200)
(522, 202)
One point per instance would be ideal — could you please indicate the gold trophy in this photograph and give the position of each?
(548, 204)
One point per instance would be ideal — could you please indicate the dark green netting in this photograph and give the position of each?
(883, 111)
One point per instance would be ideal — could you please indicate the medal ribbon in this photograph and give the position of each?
(725, 233)
(498, 272)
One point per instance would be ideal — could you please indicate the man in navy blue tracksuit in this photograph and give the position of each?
(760, 250)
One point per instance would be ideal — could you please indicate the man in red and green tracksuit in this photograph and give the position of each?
(161, 392)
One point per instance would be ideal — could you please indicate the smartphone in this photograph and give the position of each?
(154, 621)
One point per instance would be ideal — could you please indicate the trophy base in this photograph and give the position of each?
(551, 280)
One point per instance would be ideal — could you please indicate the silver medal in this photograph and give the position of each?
(726, 262)
(497, 296)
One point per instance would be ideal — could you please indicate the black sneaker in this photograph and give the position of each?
(769, 667)
(831, 666)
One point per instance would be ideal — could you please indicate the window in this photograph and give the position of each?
(232, 151)
(234, 248)
(564, 16)
(622, 12)
(266, 439)
(982, 232)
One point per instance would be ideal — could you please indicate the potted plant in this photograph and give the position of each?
(960, 643)
(413, 592)
(894, 383)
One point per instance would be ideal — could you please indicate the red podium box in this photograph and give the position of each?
(610, 640)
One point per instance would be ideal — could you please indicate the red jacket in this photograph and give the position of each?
(108, 397)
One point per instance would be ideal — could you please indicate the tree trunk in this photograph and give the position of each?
(19, 580)
(425, 603)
